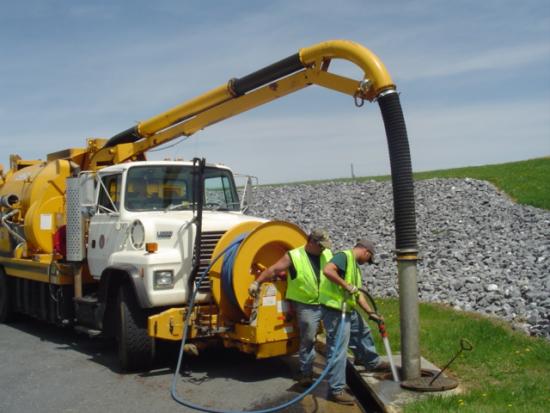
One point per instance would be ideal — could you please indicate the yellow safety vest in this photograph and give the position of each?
(304, 288)
(332, 295)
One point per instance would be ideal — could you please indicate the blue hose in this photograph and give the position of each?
(227, 269)
(173, 391)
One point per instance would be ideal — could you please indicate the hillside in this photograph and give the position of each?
(480, 250)
(526, 182)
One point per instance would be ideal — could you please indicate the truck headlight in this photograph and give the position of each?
(163, 279)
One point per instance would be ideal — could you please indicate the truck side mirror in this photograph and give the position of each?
(246, 199)
(87, 195)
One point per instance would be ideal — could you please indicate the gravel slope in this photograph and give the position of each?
(480, 251)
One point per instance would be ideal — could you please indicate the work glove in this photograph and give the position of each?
(253, 289)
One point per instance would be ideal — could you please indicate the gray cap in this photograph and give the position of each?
(369, 246)
(320, 236)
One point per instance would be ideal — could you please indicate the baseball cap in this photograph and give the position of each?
(369, 246)
(321, 236)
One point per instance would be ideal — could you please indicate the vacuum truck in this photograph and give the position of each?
(110, 251)
(100, 239)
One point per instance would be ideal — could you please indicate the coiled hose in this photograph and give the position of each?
(230, 250)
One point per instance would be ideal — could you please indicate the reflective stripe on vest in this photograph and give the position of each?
(304, 288)
(332, 295)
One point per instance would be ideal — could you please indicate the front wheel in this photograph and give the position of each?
(136, 349)
(5, 304)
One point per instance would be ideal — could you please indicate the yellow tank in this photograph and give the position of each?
(40, 189)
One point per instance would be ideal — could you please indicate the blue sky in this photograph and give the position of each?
(474, 79)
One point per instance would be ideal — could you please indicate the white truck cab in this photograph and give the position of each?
(141, 206)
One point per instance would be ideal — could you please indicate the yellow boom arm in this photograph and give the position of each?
(308, 66)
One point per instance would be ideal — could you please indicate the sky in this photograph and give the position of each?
(473, 77)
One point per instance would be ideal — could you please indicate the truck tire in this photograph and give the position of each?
(5, 304)
(136, 349)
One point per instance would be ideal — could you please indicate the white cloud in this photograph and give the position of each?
(495, 60)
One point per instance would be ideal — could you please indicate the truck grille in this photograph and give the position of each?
(208, 243)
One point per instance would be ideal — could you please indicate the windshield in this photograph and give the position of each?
(170, 187)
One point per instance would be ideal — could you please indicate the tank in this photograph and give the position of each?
(40, 193)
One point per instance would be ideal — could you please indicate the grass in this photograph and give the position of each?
(526, 182)
(507, 371)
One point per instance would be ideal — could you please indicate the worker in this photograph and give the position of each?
(304, 266)
(340, 284)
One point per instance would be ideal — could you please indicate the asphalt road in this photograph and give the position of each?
(49, 369)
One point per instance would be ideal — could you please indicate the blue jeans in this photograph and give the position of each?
(309, 317)
(361, 342)
(337, 373)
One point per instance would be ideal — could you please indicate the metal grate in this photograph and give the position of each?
(75, 225)
(208, 243)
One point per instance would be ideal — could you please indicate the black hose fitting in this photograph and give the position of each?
(127, 136)
(401, 171)
(265, 75)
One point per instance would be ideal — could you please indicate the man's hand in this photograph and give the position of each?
(352, 289)
(376, 317)
(253, 289)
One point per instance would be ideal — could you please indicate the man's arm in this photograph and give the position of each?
(365, 305)
(331, 272)
(281, 265)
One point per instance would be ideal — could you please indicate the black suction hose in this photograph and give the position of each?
(401, 171)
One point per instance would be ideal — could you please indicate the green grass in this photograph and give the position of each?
(507, 371)
(526, 182)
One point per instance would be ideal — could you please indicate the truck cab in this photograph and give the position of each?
(143, 219)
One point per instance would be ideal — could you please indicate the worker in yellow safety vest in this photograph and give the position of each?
(304, 265)
(340, 284)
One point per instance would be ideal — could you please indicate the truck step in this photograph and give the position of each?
(90, 332)
(86, 300)
(86, 309)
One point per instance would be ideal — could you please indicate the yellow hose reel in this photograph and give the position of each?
(263, 244)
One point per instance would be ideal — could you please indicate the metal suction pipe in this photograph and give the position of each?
(9, 201)
(405, 230)
(5, 224)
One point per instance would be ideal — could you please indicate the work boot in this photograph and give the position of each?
(382, 367)
(305, 380)
(341, 397)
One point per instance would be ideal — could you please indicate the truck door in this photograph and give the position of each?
(106, 234)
